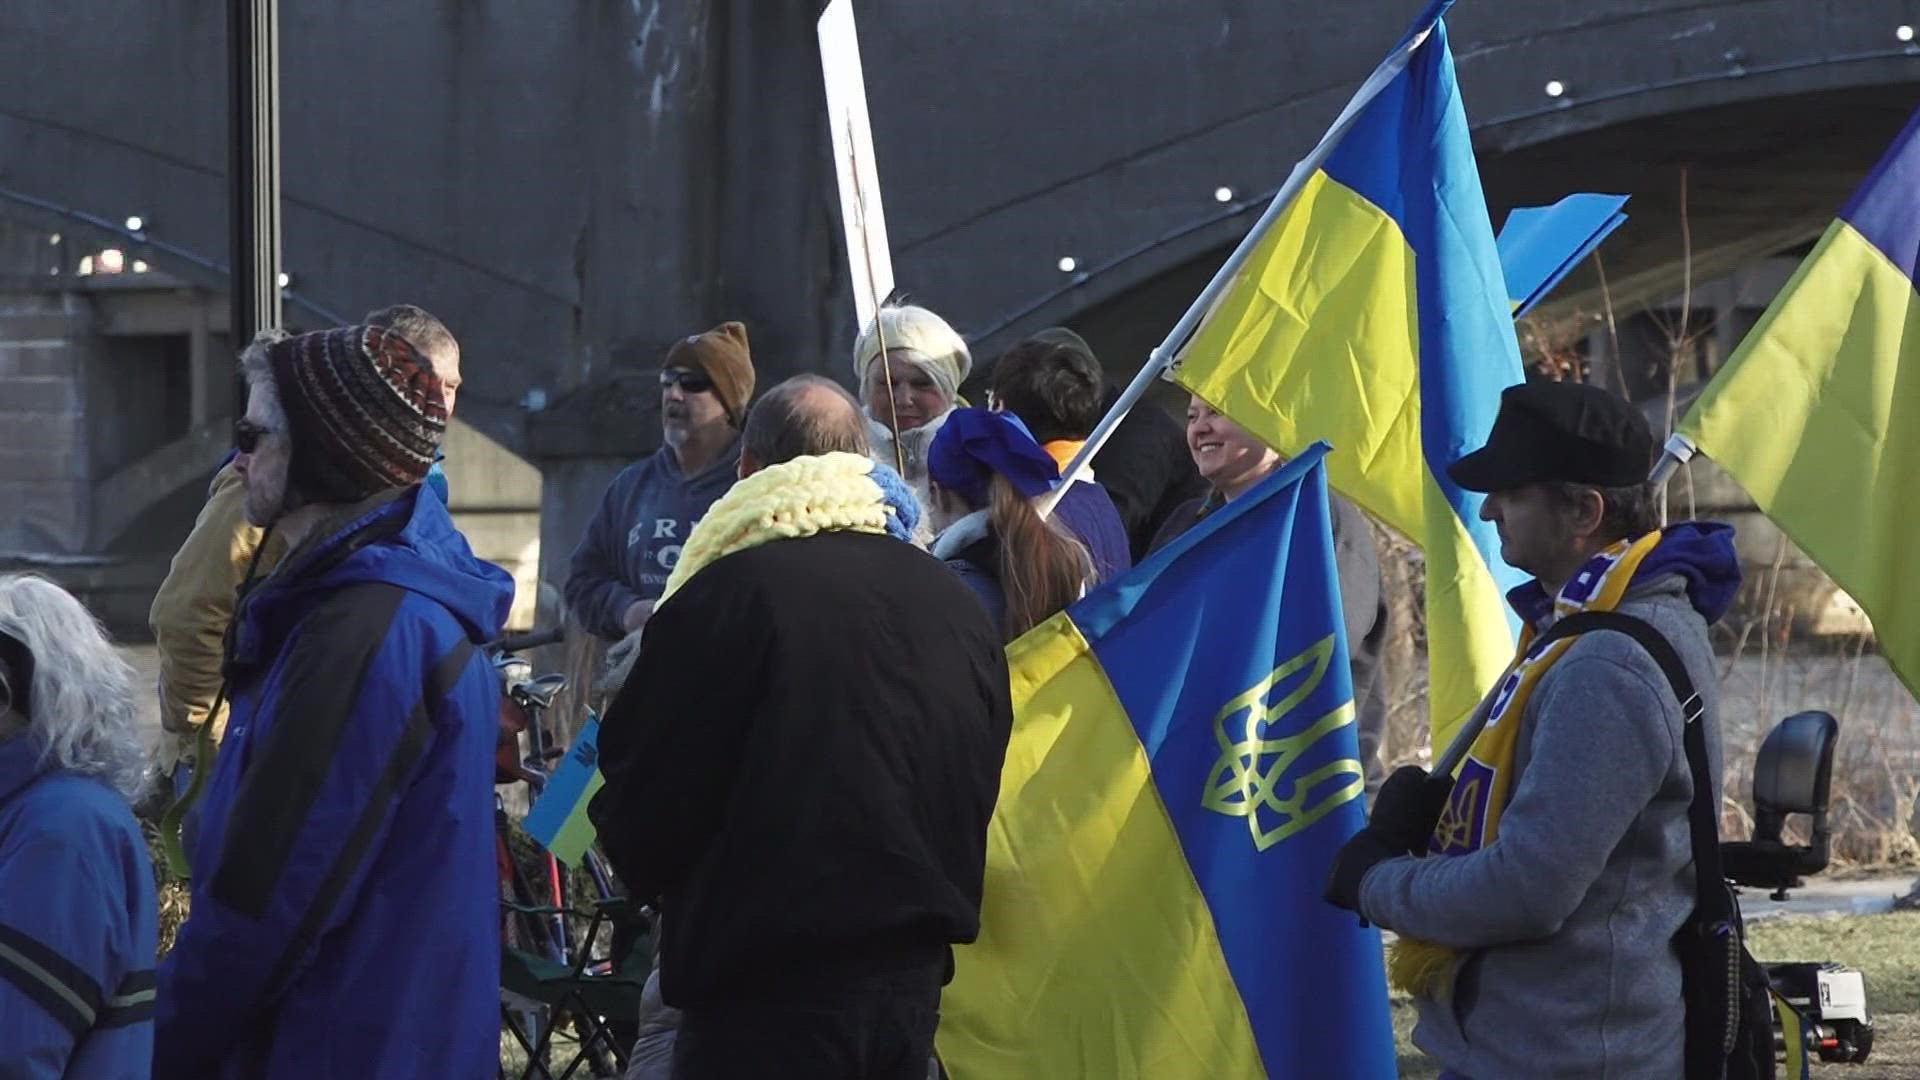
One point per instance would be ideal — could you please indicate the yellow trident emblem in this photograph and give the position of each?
(1458, 817)
(1246, 780)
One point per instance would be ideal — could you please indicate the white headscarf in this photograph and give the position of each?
(938, 351)
(942, 353)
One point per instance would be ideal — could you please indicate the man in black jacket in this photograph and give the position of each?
(801, 769)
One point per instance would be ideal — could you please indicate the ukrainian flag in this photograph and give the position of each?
(558, 820)
(1817, 414)
(1373, 314)
(1183, 767)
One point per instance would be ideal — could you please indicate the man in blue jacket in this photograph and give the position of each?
(194, 605)
(343, 919)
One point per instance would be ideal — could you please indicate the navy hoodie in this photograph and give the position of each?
(635, 537)
(344, 919)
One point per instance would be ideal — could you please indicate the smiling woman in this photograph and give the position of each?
(1227, 456)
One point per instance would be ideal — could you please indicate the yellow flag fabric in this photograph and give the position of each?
(1374, 315)
(1817, 414)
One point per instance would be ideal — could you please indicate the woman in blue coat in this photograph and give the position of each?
(77, 918)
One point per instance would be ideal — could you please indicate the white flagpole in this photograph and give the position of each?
(1162, 357)
(869, 258)
(862, 217)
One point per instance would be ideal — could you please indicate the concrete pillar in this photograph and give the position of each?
(44, 463)
(582, 441)
(726, 163)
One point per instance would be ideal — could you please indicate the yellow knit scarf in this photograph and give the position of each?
(1484, 781)
(797, 498)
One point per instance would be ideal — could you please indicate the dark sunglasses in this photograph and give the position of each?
(693, 382)
(247, 436)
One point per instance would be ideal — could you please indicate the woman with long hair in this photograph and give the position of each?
(986, 473)
(77, 909)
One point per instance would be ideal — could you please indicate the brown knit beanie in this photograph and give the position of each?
(365, 409)
(722, 353)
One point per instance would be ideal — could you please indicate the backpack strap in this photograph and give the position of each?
(1703, 815)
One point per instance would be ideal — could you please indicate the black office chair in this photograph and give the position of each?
(1793, 776)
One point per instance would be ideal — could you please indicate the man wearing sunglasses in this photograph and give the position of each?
(635, 537)
(343, 919)
(195, 603)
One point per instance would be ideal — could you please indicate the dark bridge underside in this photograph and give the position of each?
(1760, 178)
(573, 186)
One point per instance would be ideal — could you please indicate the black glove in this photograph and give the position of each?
(1361, 854)
(1408, 806)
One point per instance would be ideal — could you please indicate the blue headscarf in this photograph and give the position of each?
(974, 444)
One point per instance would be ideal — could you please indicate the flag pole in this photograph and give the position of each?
(1162, 357)
(1678, 451)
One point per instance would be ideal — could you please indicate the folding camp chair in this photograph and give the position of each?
(597, 996)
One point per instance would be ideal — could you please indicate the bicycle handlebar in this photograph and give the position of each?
(552, 635)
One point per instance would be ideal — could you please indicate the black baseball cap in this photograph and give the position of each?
(1562, 432)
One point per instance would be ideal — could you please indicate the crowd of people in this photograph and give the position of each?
(813, 589)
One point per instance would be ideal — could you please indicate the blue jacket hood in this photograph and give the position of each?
(1699, 552)
(409, 541)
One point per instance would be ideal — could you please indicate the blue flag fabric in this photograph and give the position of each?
(1540, 245)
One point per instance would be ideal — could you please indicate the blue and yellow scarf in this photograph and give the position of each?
(1483, 784)
(807, 495)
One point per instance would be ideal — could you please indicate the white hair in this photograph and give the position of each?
(80, 705)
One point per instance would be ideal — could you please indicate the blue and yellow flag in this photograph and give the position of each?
(1182, 769)
(1374, 315)
(1817, 413)
(558, 819)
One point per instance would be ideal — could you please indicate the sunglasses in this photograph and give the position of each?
(247, 436)
(693, 382)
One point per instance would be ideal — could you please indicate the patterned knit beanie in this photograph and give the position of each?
(365, 409)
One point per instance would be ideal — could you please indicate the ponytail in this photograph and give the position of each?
(1042, 567)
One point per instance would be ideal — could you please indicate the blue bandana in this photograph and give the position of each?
(974, 445)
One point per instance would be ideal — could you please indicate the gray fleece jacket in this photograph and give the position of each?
(1563, 924)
